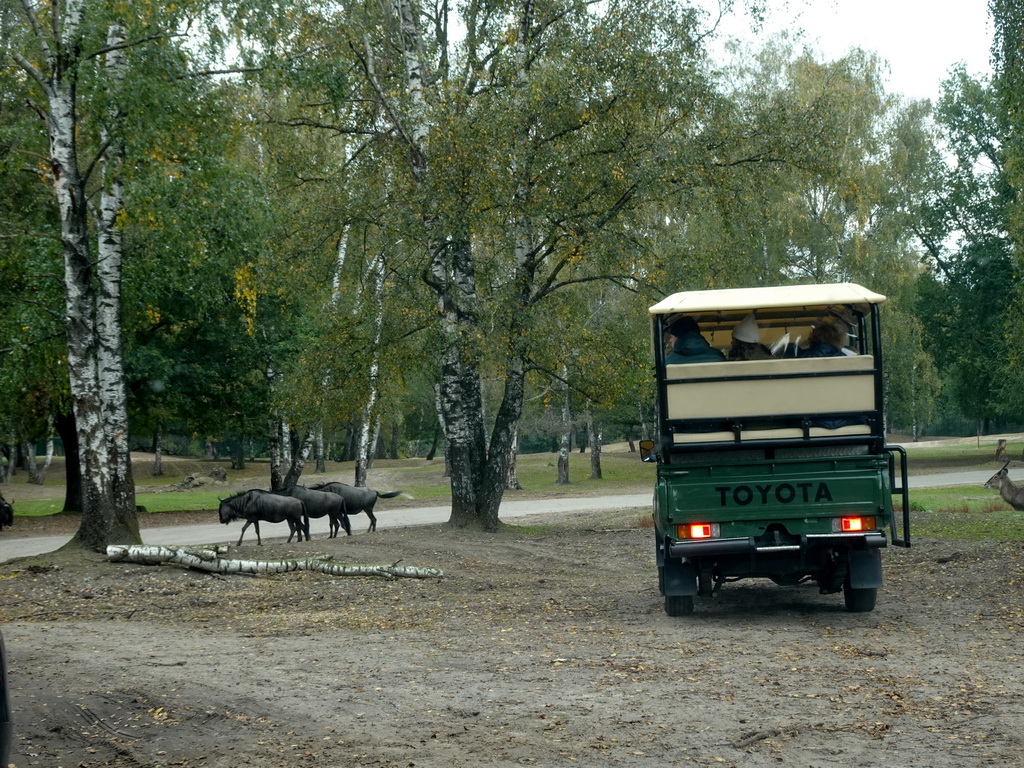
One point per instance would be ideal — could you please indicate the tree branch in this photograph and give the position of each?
(210, 560)
(132, 43)
(33, 71)
(339, 129)
(214, 72)
(368, 70)
(37, 31)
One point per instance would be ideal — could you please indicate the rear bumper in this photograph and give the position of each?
(749, 545)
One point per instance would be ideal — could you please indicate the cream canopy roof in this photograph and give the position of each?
(737, 299)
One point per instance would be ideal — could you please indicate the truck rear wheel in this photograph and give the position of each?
(859, 600)
(678, 605)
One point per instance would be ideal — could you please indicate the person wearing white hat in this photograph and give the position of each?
(746, 341)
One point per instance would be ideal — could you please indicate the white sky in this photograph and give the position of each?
(921, 39)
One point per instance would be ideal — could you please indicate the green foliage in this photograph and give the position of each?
(1008, 64)
(967, 302)
(964, 513)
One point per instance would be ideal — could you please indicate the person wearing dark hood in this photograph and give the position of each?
(688, 346)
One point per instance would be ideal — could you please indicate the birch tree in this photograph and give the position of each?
(58, 52)
(520, 146)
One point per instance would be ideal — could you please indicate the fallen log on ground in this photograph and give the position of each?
(209, 559)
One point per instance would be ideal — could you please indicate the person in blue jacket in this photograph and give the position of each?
(688, 346)
(825, 341)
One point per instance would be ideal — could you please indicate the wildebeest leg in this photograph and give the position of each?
(291, 531)
(373, 520)
(247, 524)
(305, 525)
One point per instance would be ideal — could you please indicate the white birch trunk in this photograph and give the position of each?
(318, 449)
(286, 441)
(210, 560)
(442, 424)
(79, 297)
(110, 359)
(594, 438)
(412, 56)
(49, 447)
(511, 479)
(298, 462)
(274, 449)
(339, 266)
(158, 451)
(108, 510)
(28, 450)
(367, 442)
(645, 432)
(565, 446)
(451, 277)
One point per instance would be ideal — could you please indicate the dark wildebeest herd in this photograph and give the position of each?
(356, 500)
(296, 504)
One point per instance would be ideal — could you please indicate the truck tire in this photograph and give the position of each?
(859, 600)
(678, 605)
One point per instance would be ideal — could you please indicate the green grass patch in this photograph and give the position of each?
(620, 472)
(39, 508)
(537, 472)
(188, 500)
(155, 502)
(962, 512)
(962, 498)
(925, 460)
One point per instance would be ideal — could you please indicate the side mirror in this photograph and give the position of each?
(647, 451)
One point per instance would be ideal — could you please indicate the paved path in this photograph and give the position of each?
(215, 533)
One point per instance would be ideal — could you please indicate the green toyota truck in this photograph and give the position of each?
(771, 453)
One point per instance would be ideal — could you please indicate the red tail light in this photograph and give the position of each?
(698, 531)
(856, 524)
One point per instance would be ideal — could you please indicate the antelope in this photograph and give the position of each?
(1012, 494)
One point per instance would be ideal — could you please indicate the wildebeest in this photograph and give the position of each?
(6, 513)
(357, 499)
(319, 504)
(256, 505)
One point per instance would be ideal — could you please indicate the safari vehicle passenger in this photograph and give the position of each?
(688, 345)
(751, 480)
(825, 341)
(746, 341)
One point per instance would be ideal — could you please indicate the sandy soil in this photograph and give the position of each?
(539, 646)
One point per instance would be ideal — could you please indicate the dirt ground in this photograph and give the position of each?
(545, 644)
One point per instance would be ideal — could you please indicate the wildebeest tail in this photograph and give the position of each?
(387, 495)
(305, 519)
